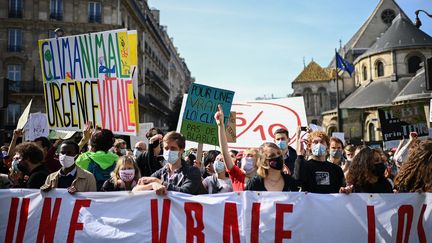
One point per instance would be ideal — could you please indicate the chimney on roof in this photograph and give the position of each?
(155, 13)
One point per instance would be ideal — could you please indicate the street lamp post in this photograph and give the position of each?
(418, 22)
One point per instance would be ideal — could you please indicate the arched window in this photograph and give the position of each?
(380, 68)
(371, 132)
(364, 73)
(308, 97)
(414, 64)
(322, 96)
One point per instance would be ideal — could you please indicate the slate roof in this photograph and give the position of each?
(402, 34)
(374, 94)
(415, 89)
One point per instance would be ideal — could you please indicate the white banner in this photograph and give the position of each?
(257, 120)
(30, 216)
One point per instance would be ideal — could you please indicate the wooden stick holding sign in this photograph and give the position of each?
(199, 156)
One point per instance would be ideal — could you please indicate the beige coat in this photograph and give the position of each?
(84, 181)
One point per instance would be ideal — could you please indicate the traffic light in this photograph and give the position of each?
(428, 72)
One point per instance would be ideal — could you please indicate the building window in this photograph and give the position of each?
(387, 16)
(380, 69)
(14, 76)
(94, 10)
(13, 113)
(14, 40)
(56, 9)
(371, 132)
(15, 8)
(364, 73)
(414, 64)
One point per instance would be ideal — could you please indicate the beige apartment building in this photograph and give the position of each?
(163, 75)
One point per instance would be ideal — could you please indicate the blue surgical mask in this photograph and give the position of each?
(319, 150)
(137, 153)
(219, 166)
(282, 144)
(336, 153)
(171, 156)
(123, 151)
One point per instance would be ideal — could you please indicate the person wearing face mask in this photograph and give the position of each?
(139, 148)
(336, 152)
(219, 182)
(29, 161)
(366, 173)
(176, 175)
(124, 177)
(239, 176)
(317, 174)
(209, 158)
(119, 147)
(269, 174)
(148, 161)
(281, 139)
(70, 176)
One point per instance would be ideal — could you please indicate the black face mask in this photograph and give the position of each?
(379, 169)
(276, 163)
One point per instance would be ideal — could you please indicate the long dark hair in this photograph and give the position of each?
(361, 170)
(415, 174)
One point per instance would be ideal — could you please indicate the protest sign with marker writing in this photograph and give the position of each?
(89, 78)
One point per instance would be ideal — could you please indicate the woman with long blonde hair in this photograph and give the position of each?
(124, 177)
(270, 176)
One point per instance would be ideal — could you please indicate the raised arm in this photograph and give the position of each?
(87, 131)
(16, 134)
(219, 117)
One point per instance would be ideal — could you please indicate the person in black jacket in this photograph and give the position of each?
(176, 175)
(366, 173)
(149, 161)
(269, 174)
(281, 139)
(30, 162)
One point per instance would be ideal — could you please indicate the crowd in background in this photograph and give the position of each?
(320, 164)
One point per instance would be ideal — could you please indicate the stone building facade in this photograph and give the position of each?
(24, 22)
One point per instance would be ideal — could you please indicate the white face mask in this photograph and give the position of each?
(123, 151)
(219, 166)
(66, 161)
(171, 156)
(248, 164)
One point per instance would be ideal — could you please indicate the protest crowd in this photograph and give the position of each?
(318, 164)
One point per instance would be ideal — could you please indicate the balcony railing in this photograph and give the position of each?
(34, 87)
(15, 13)
(14, 48)
(95, 18)
(56, 15)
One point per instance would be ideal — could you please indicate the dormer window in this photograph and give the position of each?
(387, 16)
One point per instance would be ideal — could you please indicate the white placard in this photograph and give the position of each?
(143, 129)
(339, 135)
(37, 126)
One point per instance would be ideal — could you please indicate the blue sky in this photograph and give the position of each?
(256, 47)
